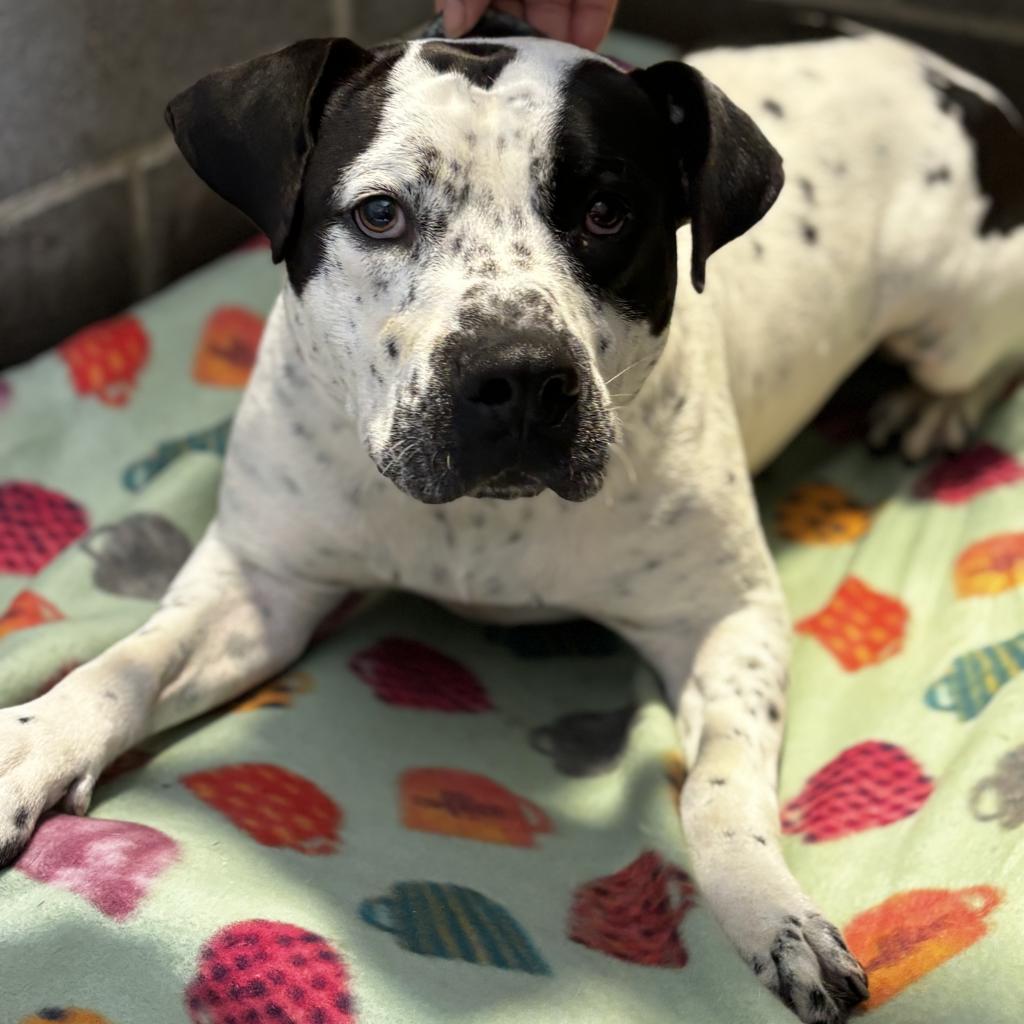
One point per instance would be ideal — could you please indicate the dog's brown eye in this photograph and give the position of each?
(380, 217)
(605, 216)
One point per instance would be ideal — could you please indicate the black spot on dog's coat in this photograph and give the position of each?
(810, 233)
(21, 817)
(937, 175)
(479, 63)
(807, 187)
(773, 107)
(998, 145)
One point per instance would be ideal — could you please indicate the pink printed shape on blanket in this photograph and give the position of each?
(112, 864)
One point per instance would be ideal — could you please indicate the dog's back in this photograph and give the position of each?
(901, 221)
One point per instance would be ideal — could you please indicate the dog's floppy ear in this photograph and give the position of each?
(731, 174)
(248, 130)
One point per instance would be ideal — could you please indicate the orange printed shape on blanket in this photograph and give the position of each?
(26, 610)
(914, 932)
(227, 347)
(278, 693)
(470, 806)
(820, 513)
(65, 1015)
(275, 806)
(991, 566)
(859, 626)
(106, 358)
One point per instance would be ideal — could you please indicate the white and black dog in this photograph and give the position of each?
(480, 381)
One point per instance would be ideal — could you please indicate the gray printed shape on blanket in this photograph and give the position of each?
(137, 556)
(1000, 796)
(585, 742)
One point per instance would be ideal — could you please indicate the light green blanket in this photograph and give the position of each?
(433, 822)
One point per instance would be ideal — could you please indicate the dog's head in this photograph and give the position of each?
(480, 237)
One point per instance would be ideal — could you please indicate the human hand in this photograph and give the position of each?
(583, 22)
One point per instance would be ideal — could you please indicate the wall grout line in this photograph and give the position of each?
(22, 206)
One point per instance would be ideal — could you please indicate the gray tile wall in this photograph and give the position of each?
(98, 209)
(96, 206)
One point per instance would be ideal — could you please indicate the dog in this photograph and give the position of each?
(481, 383)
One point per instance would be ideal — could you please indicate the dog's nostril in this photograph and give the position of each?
(496, 391)
(561, 385)
(557, 395)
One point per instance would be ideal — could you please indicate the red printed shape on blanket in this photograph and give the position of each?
(965, 475)
(275, 806)
(105, 358)
(112, 864)
(913, 933)
(634, 914)
(36, 525)
(269, 972)
(27, 610)
(866, 786)
(411, 674)
(130, 761)
(859, 626)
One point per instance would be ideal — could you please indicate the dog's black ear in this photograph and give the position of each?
(248, 130)
(731, 173)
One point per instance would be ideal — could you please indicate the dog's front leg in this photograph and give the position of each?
(727, 683)
(223, 626)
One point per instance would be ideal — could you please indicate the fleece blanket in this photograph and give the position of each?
(436, 822)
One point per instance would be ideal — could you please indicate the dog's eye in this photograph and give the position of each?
(380, 217)
(606, 216)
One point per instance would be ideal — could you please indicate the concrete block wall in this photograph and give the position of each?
(97, 209)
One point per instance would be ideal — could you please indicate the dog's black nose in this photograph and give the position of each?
(520, 389)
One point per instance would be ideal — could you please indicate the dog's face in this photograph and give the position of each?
(479, 237)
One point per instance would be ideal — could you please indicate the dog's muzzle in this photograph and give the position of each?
(512, 413)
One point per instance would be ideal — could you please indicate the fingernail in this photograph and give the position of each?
(454, 18)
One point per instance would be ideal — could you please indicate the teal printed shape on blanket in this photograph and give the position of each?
(455, 923)
(976, 677)
(213, 439)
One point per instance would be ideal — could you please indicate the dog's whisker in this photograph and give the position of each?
(631, 366)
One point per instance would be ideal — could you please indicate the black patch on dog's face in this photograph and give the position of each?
(479, 63)
(611, 141)
(998, 152)
(349, 124)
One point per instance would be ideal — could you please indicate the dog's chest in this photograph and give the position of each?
(525, 556)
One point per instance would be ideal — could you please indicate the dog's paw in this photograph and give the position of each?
(43, 757)
(919, 424)
(805, 962)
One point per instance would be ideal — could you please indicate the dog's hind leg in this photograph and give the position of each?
(921, 423)
(735, 672)
(223, 626)
(963, 359)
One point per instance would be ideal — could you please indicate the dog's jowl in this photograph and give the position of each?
(482, 381)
